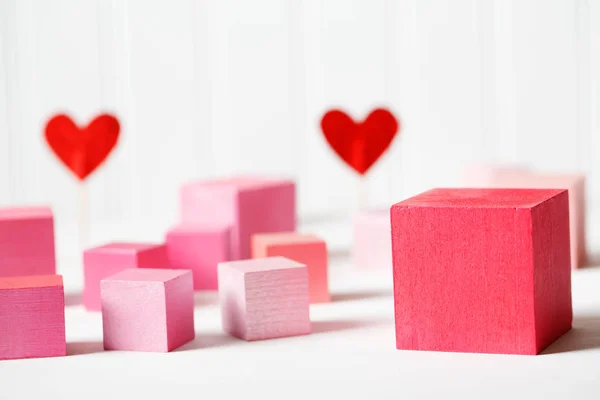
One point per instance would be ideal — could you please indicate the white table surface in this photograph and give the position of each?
(350, 354)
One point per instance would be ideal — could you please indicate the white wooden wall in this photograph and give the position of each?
(206, 88)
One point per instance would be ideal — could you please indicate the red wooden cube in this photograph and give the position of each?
(482, 270)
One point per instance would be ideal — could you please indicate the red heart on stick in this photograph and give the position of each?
(82, 150)
(359, 144)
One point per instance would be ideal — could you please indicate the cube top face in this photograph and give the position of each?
(239, 183)
(122, 247)
(199, 228)
(154, 275)
(25, 213)
(31, 282)
(284, 238)
(481, 198)
(261, 265)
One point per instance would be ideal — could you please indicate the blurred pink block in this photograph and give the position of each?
(104, 261)
(521, 178)
(148, 309)
(26, 241)
(264, 298)
(32, 317)
(199, 248)
(372, 246)
(247, 205)
(303, 248)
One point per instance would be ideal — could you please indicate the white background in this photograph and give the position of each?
(207, 88)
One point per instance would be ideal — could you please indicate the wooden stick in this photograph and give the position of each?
(82, 216)
(363, 193)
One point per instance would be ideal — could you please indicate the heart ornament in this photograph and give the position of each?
(82, 149)
(359, 144)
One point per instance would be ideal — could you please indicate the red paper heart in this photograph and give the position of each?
(359, 144)
(82, 150)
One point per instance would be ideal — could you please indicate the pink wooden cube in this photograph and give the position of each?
(303, 248)
(482, 270)
(248, 205)
(264, 298)
(104, 261)
(514, 177)
(199, 248)
(27, 241)
(148, 309)
(372, 242)
(32, 317)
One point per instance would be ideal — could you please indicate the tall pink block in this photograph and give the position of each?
(199, 248)
(248, 205)
(104, 261)
(26, 241)
(32, 317)
(264, 298)
(303, 248)
(148, 310)
(372, 241)
(507, 177)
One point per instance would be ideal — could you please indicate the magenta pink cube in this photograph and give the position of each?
(372, 242)
(148, 309)
(32, 317)
(264, 298)
(199, 248)
(27, 241)
(104, 261)
(247, 205)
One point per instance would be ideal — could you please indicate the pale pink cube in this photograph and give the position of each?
(247, 205)
(372, 241)
(304, 248)
(264, 298)
(199, 248)
(27, 241)
(148, 309)
(522, 178)
(32, 317)
(104, 261)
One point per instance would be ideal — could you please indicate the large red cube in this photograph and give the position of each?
(482, 270)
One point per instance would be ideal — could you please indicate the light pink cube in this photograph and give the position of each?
(32, 317)
(247, 205)
(148, 309)
(199, 248)
(104, 261)
(372, 241)
(27, 241)
(522, 178)
(264, 298)
(304, 248)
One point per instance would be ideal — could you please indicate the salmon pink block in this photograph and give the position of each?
(247, 205)
(104, 261)
(32, 317)
(505, 177)
(482, 270)
(264, 298)
(372, 247)
(200, 249)
(303, 248)
(26, 241)
(148, 309)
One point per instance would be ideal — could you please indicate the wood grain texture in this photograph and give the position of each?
(264, 298)
(481, 270)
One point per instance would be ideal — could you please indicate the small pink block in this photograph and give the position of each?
(148, 309)
(247, 205)
(200, 249)
(32, 317)
(26, 241)
(104, 261)
(303, 248)
(522, 178)
(372, 247)
(264, 298)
